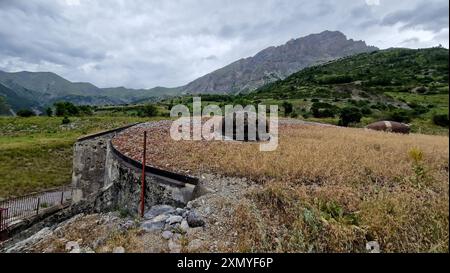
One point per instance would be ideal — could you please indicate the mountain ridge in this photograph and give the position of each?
(277, 62)
(244, 75)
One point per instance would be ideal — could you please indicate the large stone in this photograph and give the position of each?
(167, 234)
(158, 210)
(194, 220)
(373, 247)
(150, 225)
(179, 211)
(174, 219)
(22, 245)
(73, 247)
(118, 249)
(160, 218)
(184, 226)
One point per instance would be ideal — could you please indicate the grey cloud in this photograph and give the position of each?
(429, 15)
(411, 40)
(141, 43)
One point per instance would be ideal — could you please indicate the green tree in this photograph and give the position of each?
(49, 111)
(323, 110)
(65, 120)
(65, 108)
(349, 115)
(148, 110)
(85, 110)
(288, 108)
(25, 113)
(400, 116)
(441, 120)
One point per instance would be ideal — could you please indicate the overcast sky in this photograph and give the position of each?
(142, 43)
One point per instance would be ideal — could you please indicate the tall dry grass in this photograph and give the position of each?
(330, 189)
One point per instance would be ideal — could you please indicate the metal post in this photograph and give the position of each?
(1, 219)
(62, 196)
(143, 175)
(38, 204)
(3, 224)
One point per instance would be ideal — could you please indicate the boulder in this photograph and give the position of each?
(73, 247)
(167, 234)
(151, 225)
(174, 219)
(184, 226)
(158, 210)
(194, 220)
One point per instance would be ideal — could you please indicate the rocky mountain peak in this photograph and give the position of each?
(277, 62)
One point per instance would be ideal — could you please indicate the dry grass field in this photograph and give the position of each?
(325, 189)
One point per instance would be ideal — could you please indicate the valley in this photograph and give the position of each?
(338, 188)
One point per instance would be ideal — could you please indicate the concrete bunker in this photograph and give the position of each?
(109, 179)
(246, 126)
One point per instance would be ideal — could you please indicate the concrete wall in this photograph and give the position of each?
(89, 165)
(109, 180)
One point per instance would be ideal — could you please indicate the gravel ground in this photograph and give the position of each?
(111, 232)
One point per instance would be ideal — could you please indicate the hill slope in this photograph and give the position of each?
(48, 83)
(44, 88)
(397, 77)
(392, 70)
(11, 100)
(276, 63)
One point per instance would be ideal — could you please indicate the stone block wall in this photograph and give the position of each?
(110, 180)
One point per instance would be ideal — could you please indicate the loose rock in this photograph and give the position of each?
(72, 246)
(174, 219)
(158, 210)
(150, 226)
(194, 220)
(167, 234)
(373, 247)
(118, 249)
(184, 226)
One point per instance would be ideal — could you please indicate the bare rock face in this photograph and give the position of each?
(390, 126)
(275, 63)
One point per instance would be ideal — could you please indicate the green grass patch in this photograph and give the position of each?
(36, 153)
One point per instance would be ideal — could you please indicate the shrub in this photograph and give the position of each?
(400, 116)
(441, 120)
(349, 115)
(323, 110)
(85, 110)
(148, 110)
(65, 108)
(366, 111)
(294, 115)
(65, 120)
(287, 108)
(49, 111)
(335, 79)
(25, 113)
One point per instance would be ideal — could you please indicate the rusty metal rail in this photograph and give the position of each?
(15, 209)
